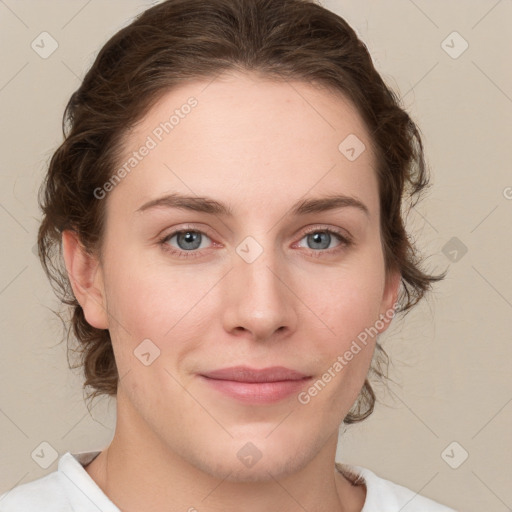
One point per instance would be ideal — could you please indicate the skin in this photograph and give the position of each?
(259, 146)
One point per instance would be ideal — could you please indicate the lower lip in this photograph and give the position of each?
(257, 392)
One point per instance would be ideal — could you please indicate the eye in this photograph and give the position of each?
(188, 242)
(320, 239)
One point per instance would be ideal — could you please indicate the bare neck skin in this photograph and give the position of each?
(137, 473)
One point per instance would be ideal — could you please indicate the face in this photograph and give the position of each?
(256, 282)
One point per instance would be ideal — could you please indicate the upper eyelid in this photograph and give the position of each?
(336, 231)
(185, 228)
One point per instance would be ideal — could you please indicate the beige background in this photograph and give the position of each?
(452, 356)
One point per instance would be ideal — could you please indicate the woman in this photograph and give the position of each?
(228, 199)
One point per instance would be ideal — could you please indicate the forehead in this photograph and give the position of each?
(246, 136)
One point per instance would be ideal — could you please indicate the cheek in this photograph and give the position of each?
(348, 304)
(348, 300)
(148, 297)
(349, 307)
(159, 303)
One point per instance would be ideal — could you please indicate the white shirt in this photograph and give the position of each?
(71, 489)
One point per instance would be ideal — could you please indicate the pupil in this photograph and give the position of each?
(189, 240)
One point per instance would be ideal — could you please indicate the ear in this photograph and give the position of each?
(85, 275)
(389, 299)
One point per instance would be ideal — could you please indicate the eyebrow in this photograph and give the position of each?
(213, 207)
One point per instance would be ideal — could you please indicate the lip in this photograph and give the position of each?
(247, 374)
(267, 385)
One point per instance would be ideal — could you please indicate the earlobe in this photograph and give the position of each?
(390, 297)
(85, 275)
(393, 285)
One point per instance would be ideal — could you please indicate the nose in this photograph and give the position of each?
(259, 300)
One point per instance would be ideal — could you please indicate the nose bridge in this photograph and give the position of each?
(261, 268)
(257, 264)
(261, 300)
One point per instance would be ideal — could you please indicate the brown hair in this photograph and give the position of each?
(179, 40)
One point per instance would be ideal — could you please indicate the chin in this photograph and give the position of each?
(258, 461)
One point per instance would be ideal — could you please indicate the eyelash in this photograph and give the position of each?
(345, 242)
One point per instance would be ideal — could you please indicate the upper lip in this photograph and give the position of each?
(246, 374)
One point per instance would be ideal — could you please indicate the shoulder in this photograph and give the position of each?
(386, 496)
(68, 489)
(43, 494)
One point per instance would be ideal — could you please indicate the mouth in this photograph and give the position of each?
(249, 385)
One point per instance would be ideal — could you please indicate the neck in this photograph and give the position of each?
(139, 472)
